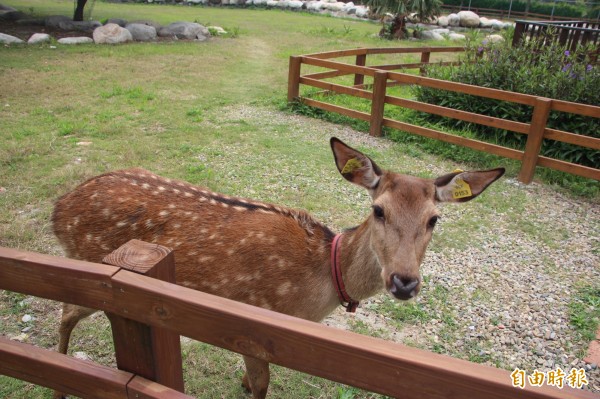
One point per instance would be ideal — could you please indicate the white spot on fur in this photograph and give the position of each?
(188, 194)
(146, 186)
(284, 288)
(122, 224)
(149, 223)
(163, 213)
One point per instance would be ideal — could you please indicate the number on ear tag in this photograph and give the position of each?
(461, 189)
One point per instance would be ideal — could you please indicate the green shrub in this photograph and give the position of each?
(547, 71)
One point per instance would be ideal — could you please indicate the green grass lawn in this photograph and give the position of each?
(209, 113)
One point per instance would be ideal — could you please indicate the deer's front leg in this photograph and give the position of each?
(256, 379)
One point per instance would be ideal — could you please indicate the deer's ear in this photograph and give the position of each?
(355, 166)
(464, 186)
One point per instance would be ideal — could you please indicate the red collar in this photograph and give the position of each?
(336, 274)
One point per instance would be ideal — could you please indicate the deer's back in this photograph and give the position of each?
(246, 250)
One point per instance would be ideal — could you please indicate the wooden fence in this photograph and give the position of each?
(383, 77)
(568, 33)
(150, 314)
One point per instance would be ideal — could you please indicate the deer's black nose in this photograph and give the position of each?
(404, 287)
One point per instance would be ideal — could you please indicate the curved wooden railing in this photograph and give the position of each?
(382, 76)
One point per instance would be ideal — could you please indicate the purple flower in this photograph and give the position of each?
(566, 67)
(567, 53)
(589, 68)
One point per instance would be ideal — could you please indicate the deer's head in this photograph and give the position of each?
(404, 212)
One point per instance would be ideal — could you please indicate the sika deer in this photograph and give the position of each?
(262, 254)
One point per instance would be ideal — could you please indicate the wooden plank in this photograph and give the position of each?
(378, 103)
(534, 139)
(576, 108)
(572, 138)
(449, 138)
(326, 74)
(463, 88)
(408, 50)
(149, 351)
(60, 372)
(457, 114)
(337, 53)
(338, 66)
(141, 388)
(361, 361)
(60, 279)
(339, 89)
(568, 167)
(335, 108)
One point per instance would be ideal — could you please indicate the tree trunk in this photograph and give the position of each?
(78, 16)
(398, 29)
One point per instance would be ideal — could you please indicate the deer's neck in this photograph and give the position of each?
(360, 269)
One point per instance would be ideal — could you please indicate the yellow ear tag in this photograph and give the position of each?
(461, 189)
(351, 166)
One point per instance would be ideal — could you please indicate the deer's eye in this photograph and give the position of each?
(378, 212)
(433, 221)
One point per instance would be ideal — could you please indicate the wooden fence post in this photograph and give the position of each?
(150, 352)
(541, 111)
(294, 78)
(378, 102)
(424, 59)
(361, 60)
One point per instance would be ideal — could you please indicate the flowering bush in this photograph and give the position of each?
(546, 70)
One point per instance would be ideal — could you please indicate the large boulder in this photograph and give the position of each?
(8, 39)
(485, 23)
(443, 21)
(430, 35)
(453, 20)
(185, 30)
(362, 11)
(456, 37)
(468, 19)
(66, 23)
(76, 40)
(111, 34)
(38, 38)
(119, 21)
(148, 22)
(141, 32)
(493, 39)
(295, 4)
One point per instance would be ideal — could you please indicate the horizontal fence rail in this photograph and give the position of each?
(369, 363)
(383, 76)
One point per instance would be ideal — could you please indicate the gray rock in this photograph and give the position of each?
(121, 22)
(65, 23)
(431, 35)
(11, 15)
(141, 32)
(185, 30)
(111, 34)
(148, 22)
(443, 21)
(453, 20)
(8, 39)
(38, 38)
(76, 40)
